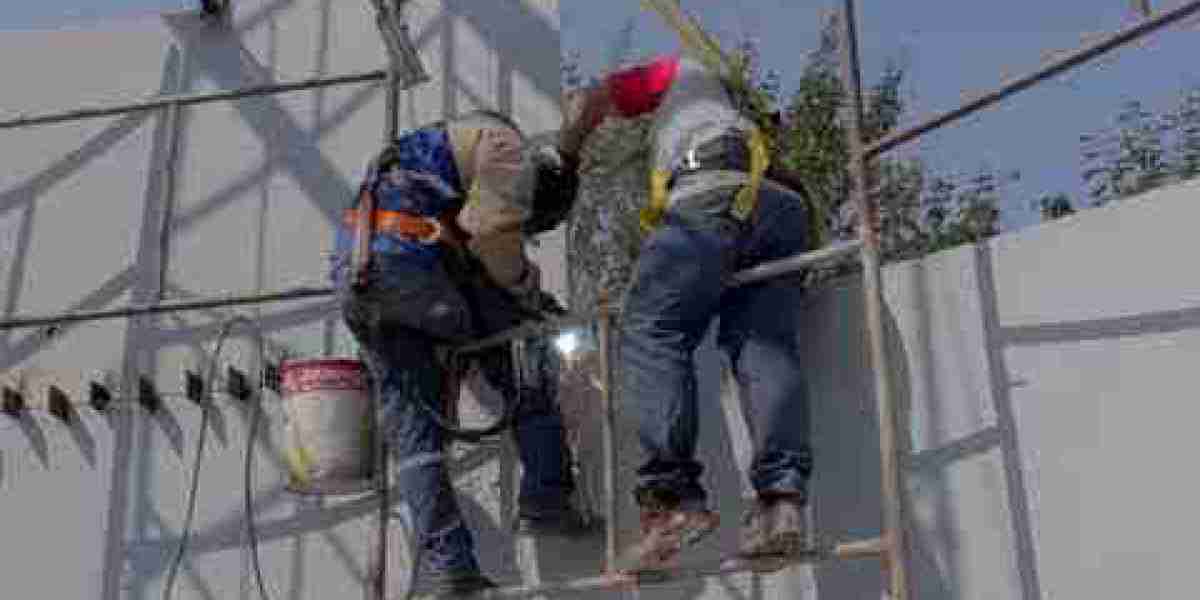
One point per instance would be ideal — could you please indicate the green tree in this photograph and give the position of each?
(963, 214)
(1187, 135)
(1138, 162)
(813, 145)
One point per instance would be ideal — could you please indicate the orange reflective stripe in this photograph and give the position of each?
(396, 222)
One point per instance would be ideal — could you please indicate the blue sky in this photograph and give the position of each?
(949, 48)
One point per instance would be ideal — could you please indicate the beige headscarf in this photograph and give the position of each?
(489, 156)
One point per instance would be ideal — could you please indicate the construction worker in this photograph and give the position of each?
(442, 262)
(707, 209)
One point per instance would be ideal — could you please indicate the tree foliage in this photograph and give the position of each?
(1143, 150)
(920, 213)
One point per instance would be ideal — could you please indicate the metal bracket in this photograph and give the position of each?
(193, 386)
(147, 395)
(59, 404)
(13, 402)
(271, 376)
(237, 384)
(405, 62)
(216, 8)
(99, 397)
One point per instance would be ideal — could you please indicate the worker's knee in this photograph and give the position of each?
(676, 288)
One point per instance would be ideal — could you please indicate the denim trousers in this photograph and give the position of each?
(676, 295)
(407, 309)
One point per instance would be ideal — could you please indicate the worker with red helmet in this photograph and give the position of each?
(709, 209)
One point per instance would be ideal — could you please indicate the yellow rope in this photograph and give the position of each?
(760, 160)
(653, 213)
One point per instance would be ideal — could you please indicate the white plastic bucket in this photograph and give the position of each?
(328, 425)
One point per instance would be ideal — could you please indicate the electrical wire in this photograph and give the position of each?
(513, 399)
(505, 421)
(469, 434)
(256, 412)
(194, 486)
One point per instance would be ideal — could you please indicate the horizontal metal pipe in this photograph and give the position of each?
(858, 549)
(79, 114)
(764, 271)
(162, 307)
(792, 264)
(1055, 67)
(527, 330)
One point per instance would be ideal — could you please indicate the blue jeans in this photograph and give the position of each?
(407, 309)
(676, 294)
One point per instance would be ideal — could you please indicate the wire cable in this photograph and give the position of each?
(473, 435)
(194, 486)
(256, 412)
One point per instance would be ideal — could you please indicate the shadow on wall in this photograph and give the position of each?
(847, 503)
(846, 486)
(218, 55)
(517, 32)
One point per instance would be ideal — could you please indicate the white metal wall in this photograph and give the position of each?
(1047, 373)
(102, 213)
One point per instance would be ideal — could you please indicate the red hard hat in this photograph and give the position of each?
(640, 89)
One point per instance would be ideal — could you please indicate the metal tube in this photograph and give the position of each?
(392, 101)
(893, 525)
(761, 272)
(377, 590)
(190, 99)
(792, 264)
(536, 329)
(162, 307)
(173, 118)
(1055, 67)
(392, 128)
(608, 435)
(850, 550)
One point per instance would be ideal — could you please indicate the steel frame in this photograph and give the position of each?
(891, 545)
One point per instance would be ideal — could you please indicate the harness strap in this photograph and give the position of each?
(420, 228)
(363, 229)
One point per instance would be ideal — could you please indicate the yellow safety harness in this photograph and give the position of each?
(705, 49)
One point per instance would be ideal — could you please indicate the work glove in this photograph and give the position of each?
(555, 185)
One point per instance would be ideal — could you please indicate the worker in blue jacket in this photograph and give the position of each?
(430, 255)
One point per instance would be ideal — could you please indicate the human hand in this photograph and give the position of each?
(584, 109)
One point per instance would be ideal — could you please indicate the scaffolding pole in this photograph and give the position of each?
(891, 545)
(761, 272)
(608, 434)
(869, 548)
(1055, 67)
(95, 112)
(895, 550)
(64, 318)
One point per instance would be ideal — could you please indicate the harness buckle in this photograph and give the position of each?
(435, 235)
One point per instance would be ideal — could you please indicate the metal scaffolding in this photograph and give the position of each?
(891, 544)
